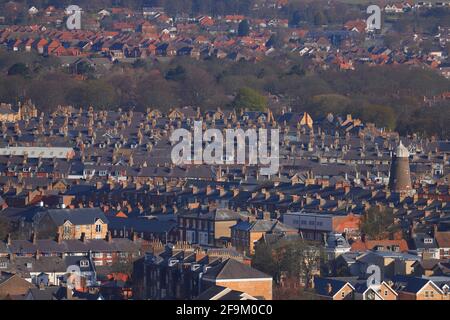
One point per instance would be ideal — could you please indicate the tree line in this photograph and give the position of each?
(390, 96)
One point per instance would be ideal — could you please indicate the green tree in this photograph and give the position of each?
(85, 68)
(250, 99)
(275, 41)
(5, 228)
(296, 18)
(263, 260)
(122, 267)
(139, 63)
(296, 259)
(20, 69)
(176, 74)
(243, 28)
(320, 18)
(377, 222)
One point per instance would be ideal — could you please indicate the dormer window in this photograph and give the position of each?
(84, 263)
(428, 240)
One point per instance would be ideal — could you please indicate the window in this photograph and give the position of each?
(203, 238)
(3, 265)
(67, 229)
(343, 294)
(98, 228)
(385, 292)
(428, 240)
(84, 263)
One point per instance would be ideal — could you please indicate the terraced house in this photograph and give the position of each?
(87, 223)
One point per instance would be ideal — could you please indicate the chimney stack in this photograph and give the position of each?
(33, 238)
(329, 288)
(108, 236)
(69, 292)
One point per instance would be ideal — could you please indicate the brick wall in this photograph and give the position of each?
(262, 288)
(222, 228)
(14, 286)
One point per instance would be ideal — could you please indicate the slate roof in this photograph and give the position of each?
(419, 242)
(74, 246)
(47, 293)
(223, 293)
(321, 286)
(263, 226)
(79, 216)
(218, 214)
(141, 224)
(233, 269)
(409, 283)
(25, 265)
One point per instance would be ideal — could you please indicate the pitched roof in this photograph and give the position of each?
(410, 284)
(233, 269)
(79, 216)
(223, 293)
(443, 239)
(263, 226)
(328, 286)
(371, 244)
(141, 225)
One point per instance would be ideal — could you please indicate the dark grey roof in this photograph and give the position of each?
(46, 293)
(233, 269)
(227, 294)
(80, 216)
(24, 265)
(420, 241)
(263, 226)
(141, 224)
(74, 246)
(409, 283)
(220, 214)
(328, 286)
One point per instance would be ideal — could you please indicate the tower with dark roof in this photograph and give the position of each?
(400, 176)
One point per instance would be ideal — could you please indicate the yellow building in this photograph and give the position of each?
(87, 223)
(8, 114)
